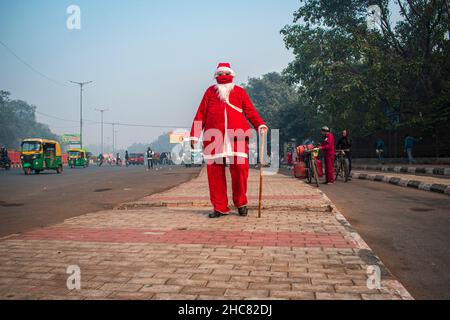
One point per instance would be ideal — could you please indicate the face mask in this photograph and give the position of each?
(224, 79)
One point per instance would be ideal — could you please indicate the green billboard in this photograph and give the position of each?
(71, 139)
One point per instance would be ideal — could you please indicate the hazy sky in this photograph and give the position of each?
(150, 60)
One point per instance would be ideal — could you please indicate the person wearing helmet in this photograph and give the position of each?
(329, 151)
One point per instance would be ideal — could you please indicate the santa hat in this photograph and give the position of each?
(224, 67)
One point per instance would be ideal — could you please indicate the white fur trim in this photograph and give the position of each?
(225, 155)
(224, 69)
(234, 107)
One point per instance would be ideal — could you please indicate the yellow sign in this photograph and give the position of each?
(178, 137)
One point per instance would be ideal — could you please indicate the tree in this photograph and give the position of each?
(18, 121)
(282, 106)
(368, 80)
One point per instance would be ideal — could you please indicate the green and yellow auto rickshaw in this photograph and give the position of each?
(78, 158)
(39, 155)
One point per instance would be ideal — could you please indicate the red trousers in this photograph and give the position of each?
(218, 184)
(329, 168)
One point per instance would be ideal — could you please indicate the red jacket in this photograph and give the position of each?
(226, 118)
(328, 145)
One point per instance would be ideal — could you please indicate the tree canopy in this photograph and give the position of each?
(18, 121)
(346, 75)
(283, 106)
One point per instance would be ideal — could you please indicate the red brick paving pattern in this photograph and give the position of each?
(267, 197)
(158, 252)
(228, 238)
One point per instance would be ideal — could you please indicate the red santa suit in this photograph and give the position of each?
(222, 118)
(328, 146)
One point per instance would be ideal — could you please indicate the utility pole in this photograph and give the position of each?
(113, 138)
(101, 111)
(81, 84)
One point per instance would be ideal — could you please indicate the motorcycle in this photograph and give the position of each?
(5, 163)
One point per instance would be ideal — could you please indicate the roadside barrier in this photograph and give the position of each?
(14, 156)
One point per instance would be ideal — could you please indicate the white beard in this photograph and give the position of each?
(223, 90)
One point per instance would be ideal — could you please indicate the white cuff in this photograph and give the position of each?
(224, 69)
(261, 127)
(194, 139)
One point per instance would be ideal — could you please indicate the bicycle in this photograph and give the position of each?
(311, 165)
(342, 165)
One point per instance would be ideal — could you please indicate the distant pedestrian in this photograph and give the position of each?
(345, 144)
(290, 158)
(150, 155)
(127, 158)
(410, 141)
(379, 149)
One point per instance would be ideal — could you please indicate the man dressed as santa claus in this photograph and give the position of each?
(223, 117)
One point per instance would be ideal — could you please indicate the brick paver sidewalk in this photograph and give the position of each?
(165, 247)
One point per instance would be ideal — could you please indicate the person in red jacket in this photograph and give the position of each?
(328, 147)
(223, 117)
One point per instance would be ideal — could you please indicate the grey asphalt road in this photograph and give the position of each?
(30, 202)
(408, 229)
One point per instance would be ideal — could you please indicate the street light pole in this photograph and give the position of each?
(113, 138)
(101, 111)
(81, 84)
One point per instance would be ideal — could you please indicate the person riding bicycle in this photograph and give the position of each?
(4, 154)
(4, 159)
(345, 143)
(101, 158)
(328, 147)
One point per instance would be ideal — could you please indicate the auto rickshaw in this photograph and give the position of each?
(39, 155)
(78, 158)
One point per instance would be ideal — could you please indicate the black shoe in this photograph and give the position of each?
(215, 215)
(243, 212)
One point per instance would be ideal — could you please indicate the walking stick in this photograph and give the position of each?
(261, 170)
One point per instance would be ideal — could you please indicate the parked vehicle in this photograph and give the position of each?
(312, 165)
(40, 154)
(191, 157)
(307, 165)
(78, 158)
(136, 159)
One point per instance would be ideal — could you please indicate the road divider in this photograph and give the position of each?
(406, 181)
(437, 171)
